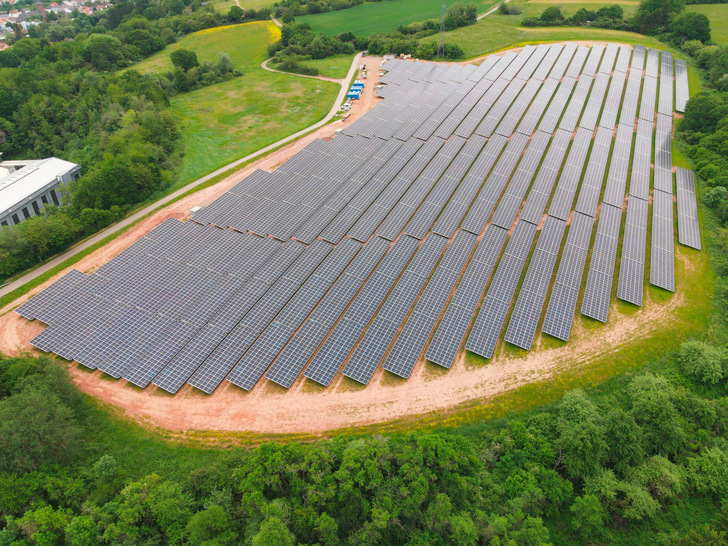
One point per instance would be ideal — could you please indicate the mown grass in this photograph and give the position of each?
(336, 66)
(378, 17)
(223, 6)
(247, 45)
(718, 15)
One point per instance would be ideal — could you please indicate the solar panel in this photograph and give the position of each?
(527, 311)
(412, 339)
(687, 209)
(489, 322)
(682, 89)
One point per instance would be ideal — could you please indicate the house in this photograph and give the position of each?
(26, 186)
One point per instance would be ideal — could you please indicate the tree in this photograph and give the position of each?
(45, 525)
(653, 409)
(103, 52)
(588, 517)
(703, 112)
(690, 26)
(552, 14)
(36, 428)
(82, 531)
(181, 83)
(224, 63)
(625, 440)
(702, 361)
(211, 526)
(653, 16)
(184, 59)
(273, 532)
(581, 435)
(235, 14)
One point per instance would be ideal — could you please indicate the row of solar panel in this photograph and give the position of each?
(507, 116)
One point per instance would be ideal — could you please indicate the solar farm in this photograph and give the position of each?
(474, 205)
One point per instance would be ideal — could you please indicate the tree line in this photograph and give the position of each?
(612, 464)
(662, 18)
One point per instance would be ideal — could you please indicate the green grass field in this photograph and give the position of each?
(378, 17)
(247, 45)
(332, 67)
(223, 6)
(497, 32)
(224, 122)
(718, 15)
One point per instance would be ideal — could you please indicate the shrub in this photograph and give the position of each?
(702, 361)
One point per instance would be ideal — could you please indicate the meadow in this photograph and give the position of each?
(379, 17)
(497, 32)
(718, 15)
(224, 122)
(336, 66)
(247, 45)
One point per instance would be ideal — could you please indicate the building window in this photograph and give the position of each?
(35, 208)
(54, 197)
(76, 176)
(44, 199)
(26, 213)
(16, 220)
(5, 223)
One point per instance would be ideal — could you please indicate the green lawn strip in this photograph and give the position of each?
(223, 6)
(336, 66)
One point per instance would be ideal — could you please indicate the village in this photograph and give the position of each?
(17, 16)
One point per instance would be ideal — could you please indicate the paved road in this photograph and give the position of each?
(164, 200)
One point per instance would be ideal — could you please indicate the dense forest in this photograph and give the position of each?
(640, 457)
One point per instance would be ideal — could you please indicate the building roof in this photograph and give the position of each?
(29, 179)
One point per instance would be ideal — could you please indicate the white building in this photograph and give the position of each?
(27, 185)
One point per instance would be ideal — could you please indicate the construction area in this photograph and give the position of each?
(474, 206)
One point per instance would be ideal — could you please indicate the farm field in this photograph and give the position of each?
(378, 17)
(718, 15)
(223, 122)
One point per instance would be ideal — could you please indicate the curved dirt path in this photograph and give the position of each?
(264, 66)
(129, 220)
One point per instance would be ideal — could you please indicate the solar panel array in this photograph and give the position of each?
(458, 211)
